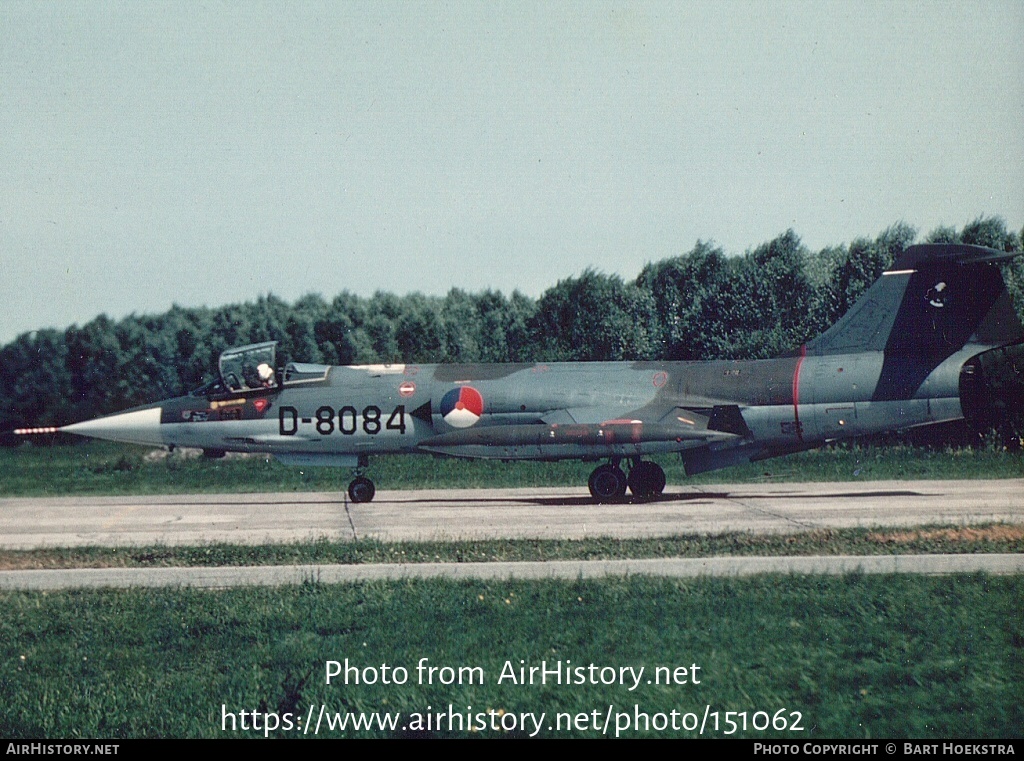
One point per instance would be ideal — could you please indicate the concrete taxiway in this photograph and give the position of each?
(546, 513)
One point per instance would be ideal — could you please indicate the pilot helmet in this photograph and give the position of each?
(265, 371)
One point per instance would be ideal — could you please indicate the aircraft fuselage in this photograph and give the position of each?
(550, 411)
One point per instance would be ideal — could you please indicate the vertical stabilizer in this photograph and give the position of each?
(935, 300)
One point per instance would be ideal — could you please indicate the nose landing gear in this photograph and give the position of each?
(361, 488)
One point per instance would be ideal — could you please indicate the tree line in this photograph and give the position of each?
(700, 305)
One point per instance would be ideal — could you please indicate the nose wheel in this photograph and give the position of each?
(361, 489)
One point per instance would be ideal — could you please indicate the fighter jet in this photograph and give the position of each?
(905, 355)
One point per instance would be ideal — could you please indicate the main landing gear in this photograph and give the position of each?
(608, 483)
(361, 488)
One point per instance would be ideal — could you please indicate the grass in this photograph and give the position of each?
(108, 469)
(988, 538)
(857, 656)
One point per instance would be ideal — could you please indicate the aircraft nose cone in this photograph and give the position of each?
(138, 427)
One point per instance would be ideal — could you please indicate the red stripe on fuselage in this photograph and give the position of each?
(796, 391)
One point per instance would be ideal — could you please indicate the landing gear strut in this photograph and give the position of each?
(361, 488)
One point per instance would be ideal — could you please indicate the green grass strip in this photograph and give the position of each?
(987, 538)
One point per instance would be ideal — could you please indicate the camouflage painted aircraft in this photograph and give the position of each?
(904, 355)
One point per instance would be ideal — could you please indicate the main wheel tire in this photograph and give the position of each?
(646, 480)
(607, 483)
(361, 489)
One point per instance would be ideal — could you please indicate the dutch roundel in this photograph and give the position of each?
(462, 407)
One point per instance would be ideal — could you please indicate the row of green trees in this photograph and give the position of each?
(699, 305)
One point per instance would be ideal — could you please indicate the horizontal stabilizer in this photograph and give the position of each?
(928, 254)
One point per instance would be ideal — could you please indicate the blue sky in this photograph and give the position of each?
(205, 153)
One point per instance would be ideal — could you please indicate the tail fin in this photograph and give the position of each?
(936, 299)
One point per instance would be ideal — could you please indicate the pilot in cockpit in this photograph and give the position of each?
(266, 374)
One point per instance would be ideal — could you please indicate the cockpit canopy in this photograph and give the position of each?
(247, 368)
(252, 368)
